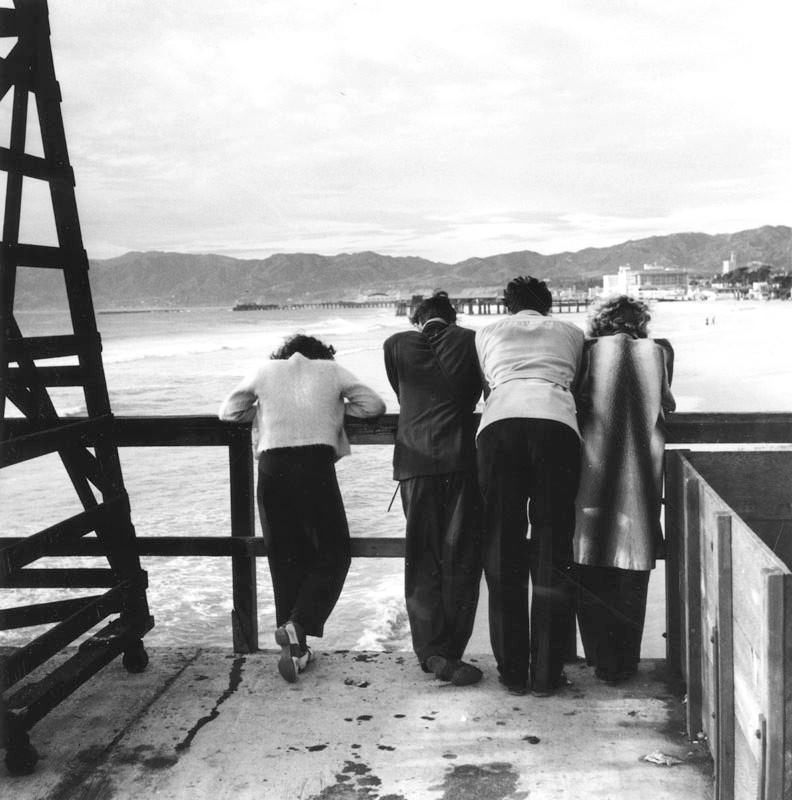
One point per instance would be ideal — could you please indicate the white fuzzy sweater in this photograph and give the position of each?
(300, 401)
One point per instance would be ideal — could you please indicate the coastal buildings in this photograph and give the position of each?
(651, 283)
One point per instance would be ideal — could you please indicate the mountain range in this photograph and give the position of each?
(162, 279)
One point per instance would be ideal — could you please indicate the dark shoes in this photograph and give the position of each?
(294, 657)
(614, 676)
(514, 686)
(458, 672)
(539, 689)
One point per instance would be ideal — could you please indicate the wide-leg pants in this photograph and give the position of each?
(529, 471)
(442, 568)
(306, 533)
(611, 613)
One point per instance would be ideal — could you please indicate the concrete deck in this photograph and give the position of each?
(204, 723)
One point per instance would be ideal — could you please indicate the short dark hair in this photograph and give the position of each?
(525, 292)
(308, 346)
(620, 314)
(438, 305)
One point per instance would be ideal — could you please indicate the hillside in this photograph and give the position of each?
(158, 279)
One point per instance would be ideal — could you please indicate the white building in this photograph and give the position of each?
(650, 283)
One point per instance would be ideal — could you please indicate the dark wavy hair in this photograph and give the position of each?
(525, 292)
(438, 305)
(308, 346)
(620, 314)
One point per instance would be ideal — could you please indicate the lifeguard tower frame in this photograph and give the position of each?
(87, 448)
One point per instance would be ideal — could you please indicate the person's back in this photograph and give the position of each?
(436, 377)
(528, 464)
(434, 372)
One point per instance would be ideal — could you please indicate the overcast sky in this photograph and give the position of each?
(440, 129)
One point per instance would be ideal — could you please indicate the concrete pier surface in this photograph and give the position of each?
(205, 723)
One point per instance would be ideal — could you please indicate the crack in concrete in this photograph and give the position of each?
(234, 680)
(95, 785)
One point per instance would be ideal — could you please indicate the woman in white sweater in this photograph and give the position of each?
(298, 400)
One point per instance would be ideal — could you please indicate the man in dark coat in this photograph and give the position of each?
(435, 373)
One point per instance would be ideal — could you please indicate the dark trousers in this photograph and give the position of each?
(529, 471)
(611, 614)
(442, 568)
(306, 533)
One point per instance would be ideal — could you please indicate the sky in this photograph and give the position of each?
(445, 130)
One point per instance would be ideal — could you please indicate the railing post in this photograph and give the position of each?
(674, 532)
(724, 655)
(692, 600)
(244, 615)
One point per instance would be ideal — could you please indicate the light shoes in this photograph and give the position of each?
(294, 657)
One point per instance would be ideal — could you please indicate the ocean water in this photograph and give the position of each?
(730, 356)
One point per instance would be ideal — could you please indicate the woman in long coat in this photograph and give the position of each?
(624, 394)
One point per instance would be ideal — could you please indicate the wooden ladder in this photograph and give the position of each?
(86, 448)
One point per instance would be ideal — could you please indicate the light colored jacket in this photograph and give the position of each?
(530, 363)
(300, 401)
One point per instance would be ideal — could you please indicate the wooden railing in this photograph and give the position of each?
(243, 547)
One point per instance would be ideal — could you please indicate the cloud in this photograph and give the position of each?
(440, 129)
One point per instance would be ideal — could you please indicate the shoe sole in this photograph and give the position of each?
(287, 664)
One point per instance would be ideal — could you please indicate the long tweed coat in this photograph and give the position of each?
(623, 395)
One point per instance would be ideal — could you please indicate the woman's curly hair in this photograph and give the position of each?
(308, 346)
(620, 314)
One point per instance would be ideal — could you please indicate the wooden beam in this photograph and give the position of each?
(725, 659)
(244, 614)
(38, 347)
(192, 431)
(9, 25)
(33, 701)
(694, 630)
(61, 577)
(35, 166)
(779, 691)
(51, 439)
(24, 660)
(208, 546)
(45, 613)
(674, 542)
(67, 375)
(62, 534)
(43, 256)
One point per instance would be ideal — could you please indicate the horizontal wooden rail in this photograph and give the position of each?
(203, 431)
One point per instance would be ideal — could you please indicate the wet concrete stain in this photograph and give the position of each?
(356, 781)
(366, 657)
(494, 781)
(234, 681)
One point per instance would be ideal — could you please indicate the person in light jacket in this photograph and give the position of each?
(528, 466)
(298, 400)
(623, 397)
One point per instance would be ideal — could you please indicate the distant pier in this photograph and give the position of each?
(404, 308)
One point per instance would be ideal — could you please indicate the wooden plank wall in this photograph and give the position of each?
(737, 625)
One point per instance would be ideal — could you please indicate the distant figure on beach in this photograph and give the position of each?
(623, 397)
(298, 400)
(529, 462)
(435, 373)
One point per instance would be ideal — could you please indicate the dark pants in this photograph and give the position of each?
(442, 568)
(611, 613)
(306, 533)
(529, 471)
